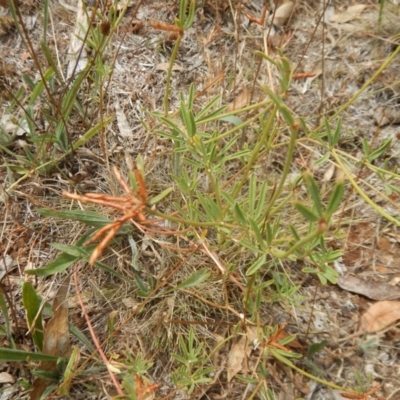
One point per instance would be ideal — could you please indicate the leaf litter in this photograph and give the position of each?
(56, 339)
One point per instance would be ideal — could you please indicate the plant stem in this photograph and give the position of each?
(169, 74)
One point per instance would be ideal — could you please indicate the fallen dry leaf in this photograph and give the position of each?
(125, 130)
(387, 115)
(5, 377)
(372, 290)
(56, 335)
(25, 55)
(56, 338)
(329, 173)
(165, 66)
(351, 13)
(283, 13)
(239, 350)
(240, 101)
(379, 316)
(236, 356)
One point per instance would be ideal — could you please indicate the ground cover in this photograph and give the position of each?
(199, 199)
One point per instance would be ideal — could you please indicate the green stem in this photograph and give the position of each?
(284, 360)
(256, 152)
(300, 244)
(366, 84)
(293, 136)
(357, 188)
(169, 74)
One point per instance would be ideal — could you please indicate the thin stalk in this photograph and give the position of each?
(300, 243)
(357, 188)
(256, 151)
(287, 362)
(169, 74)
(366, 85)
(289, 158)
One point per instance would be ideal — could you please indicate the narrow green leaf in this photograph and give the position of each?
(322, 278)
(257, 233)
(195, 279)
(112, 271)
(191, 97)
(232, 119)
(306, 212)
(330, 274)
(161, 196)
(82, 338)
(75, 251)
(365, 146)
(335, 199)
(249, 245)
(141, 284)
(49, 56)
(336, 135)
(238, 154)
(240, 214)
(313, 191)
(269, 234)
(309, 270)
(376, 153)
(287, 114)
(316, 348)
(190, 17)
(256, 265)
(60, 264)
(322, 160)
(203, 112)
(263, 55)
(252, 195)
(70, 371)
(32, 304)
(209, 205)
(91, 132)
(4, 310)
(212, 116)
(262, 197)
(89, 218)
(21, 356)
(39, 87)
(279, 354)
(294, 232)
(228, 198)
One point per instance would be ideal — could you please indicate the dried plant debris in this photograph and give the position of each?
(56, 339)
(368, 288)
(379, 316)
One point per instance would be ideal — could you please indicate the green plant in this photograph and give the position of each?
(192, 359)
(224, 237)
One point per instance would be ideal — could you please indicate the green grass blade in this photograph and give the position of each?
(4, 310)
(21, 356)
(32, 304)
(256, 265)
(195, 279)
